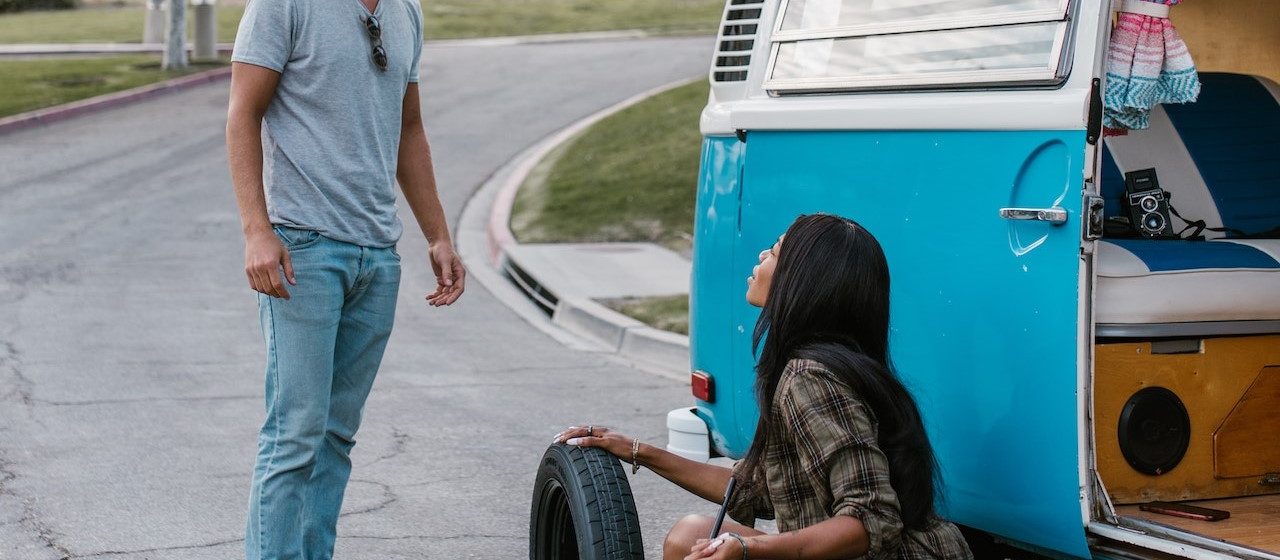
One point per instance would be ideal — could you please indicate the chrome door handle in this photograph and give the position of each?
(1056, 215)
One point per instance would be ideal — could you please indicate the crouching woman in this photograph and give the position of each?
(840, 457)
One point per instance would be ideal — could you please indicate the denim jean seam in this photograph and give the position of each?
(307, 244)
(278, 415)
(290, 245)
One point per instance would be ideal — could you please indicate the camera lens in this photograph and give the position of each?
(1149, 204)
(1153, 223)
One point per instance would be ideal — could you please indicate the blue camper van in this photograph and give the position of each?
(1070, 372)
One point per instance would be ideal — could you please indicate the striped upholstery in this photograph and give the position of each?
(1219, 158)
(1231, 135)
(1161, 281)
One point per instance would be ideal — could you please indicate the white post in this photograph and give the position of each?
(175, 52)
(206, 32)
(153, 30)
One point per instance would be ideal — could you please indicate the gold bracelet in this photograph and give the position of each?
(635, 455)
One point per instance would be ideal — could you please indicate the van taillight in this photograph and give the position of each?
(703, 386)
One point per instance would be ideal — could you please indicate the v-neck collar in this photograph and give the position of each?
(377, 9)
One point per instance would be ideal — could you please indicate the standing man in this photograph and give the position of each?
(324, 118)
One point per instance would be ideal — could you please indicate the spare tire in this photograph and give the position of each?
(582, 508)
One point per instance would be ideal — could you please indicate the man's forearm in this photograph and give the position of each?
(244, 153)
(418, 182)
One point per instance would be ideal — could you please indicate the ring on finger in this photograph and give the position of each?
(591, 431)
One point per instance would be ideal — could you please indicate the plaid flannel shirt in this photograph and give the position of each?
(825, 462)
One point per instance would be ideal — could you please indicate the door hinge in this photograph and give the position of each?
(1094, 217)
(1094, 131)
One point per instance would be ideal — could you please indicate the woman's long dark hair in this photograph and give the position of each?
(829, 302)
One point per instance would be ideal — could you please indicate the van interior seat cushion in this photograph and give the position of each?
(1233, 135)
(1142, 281)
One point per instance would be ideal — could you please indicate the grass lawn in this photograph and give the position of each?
(631, 177)
(443, 19)
(99, 25)
(35, 83)
(666, 313)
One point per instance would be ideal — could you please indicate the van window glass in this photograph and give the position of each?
(939, 52)
(844, 45)
(830, 14)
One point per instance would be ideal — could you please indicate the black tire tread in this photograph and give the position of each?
(619, 520)
(611, 518)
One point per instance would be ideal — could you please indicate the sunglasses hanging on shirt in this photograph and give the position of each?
(375, 34)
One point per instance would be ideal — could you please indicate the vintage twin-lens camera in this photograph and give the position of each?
(1148, 204)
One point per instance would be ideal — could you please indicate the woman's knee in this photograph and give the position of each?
(684, 534)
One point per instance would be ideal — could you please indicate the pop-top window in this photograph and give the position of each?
(842, 45)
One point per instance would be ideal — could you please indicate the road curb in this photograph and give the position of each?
(661, 348)
(588, 318)
(41, 117)
(583, 317)
(627, 336)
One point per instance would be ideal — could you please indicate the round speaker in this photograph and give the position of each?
(1154, 430)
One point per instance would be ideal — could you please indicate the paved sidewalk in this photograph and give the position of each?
(604, 270)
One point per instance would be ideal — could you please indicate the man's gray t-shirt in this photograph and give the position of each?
(331, 134)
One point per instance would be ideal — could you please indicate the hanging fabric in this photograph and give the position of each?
(1147, 64)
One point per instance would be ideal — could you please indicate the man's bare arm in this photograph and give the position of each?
(252, 88)
(417, 179)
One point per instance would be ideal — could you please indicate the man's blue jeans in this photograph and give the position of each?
(323, 350)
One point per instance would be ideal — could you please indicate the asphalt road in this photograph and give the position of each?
(131, 360)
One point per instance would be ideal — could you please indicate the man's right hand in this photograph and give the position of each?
(264, 255)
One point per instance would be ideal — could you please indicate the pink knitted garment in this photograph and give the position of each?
(1147, 64)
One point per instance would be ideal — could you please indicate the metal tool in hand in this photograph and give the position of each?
(724, 508)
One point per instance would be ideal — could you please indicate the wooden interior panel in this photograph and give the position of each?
(1248, 443)
(1231, 35)
(1210, 383)
(1254, 521)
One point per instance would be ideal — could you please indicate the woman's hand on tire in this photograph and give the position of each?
(615, 443)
